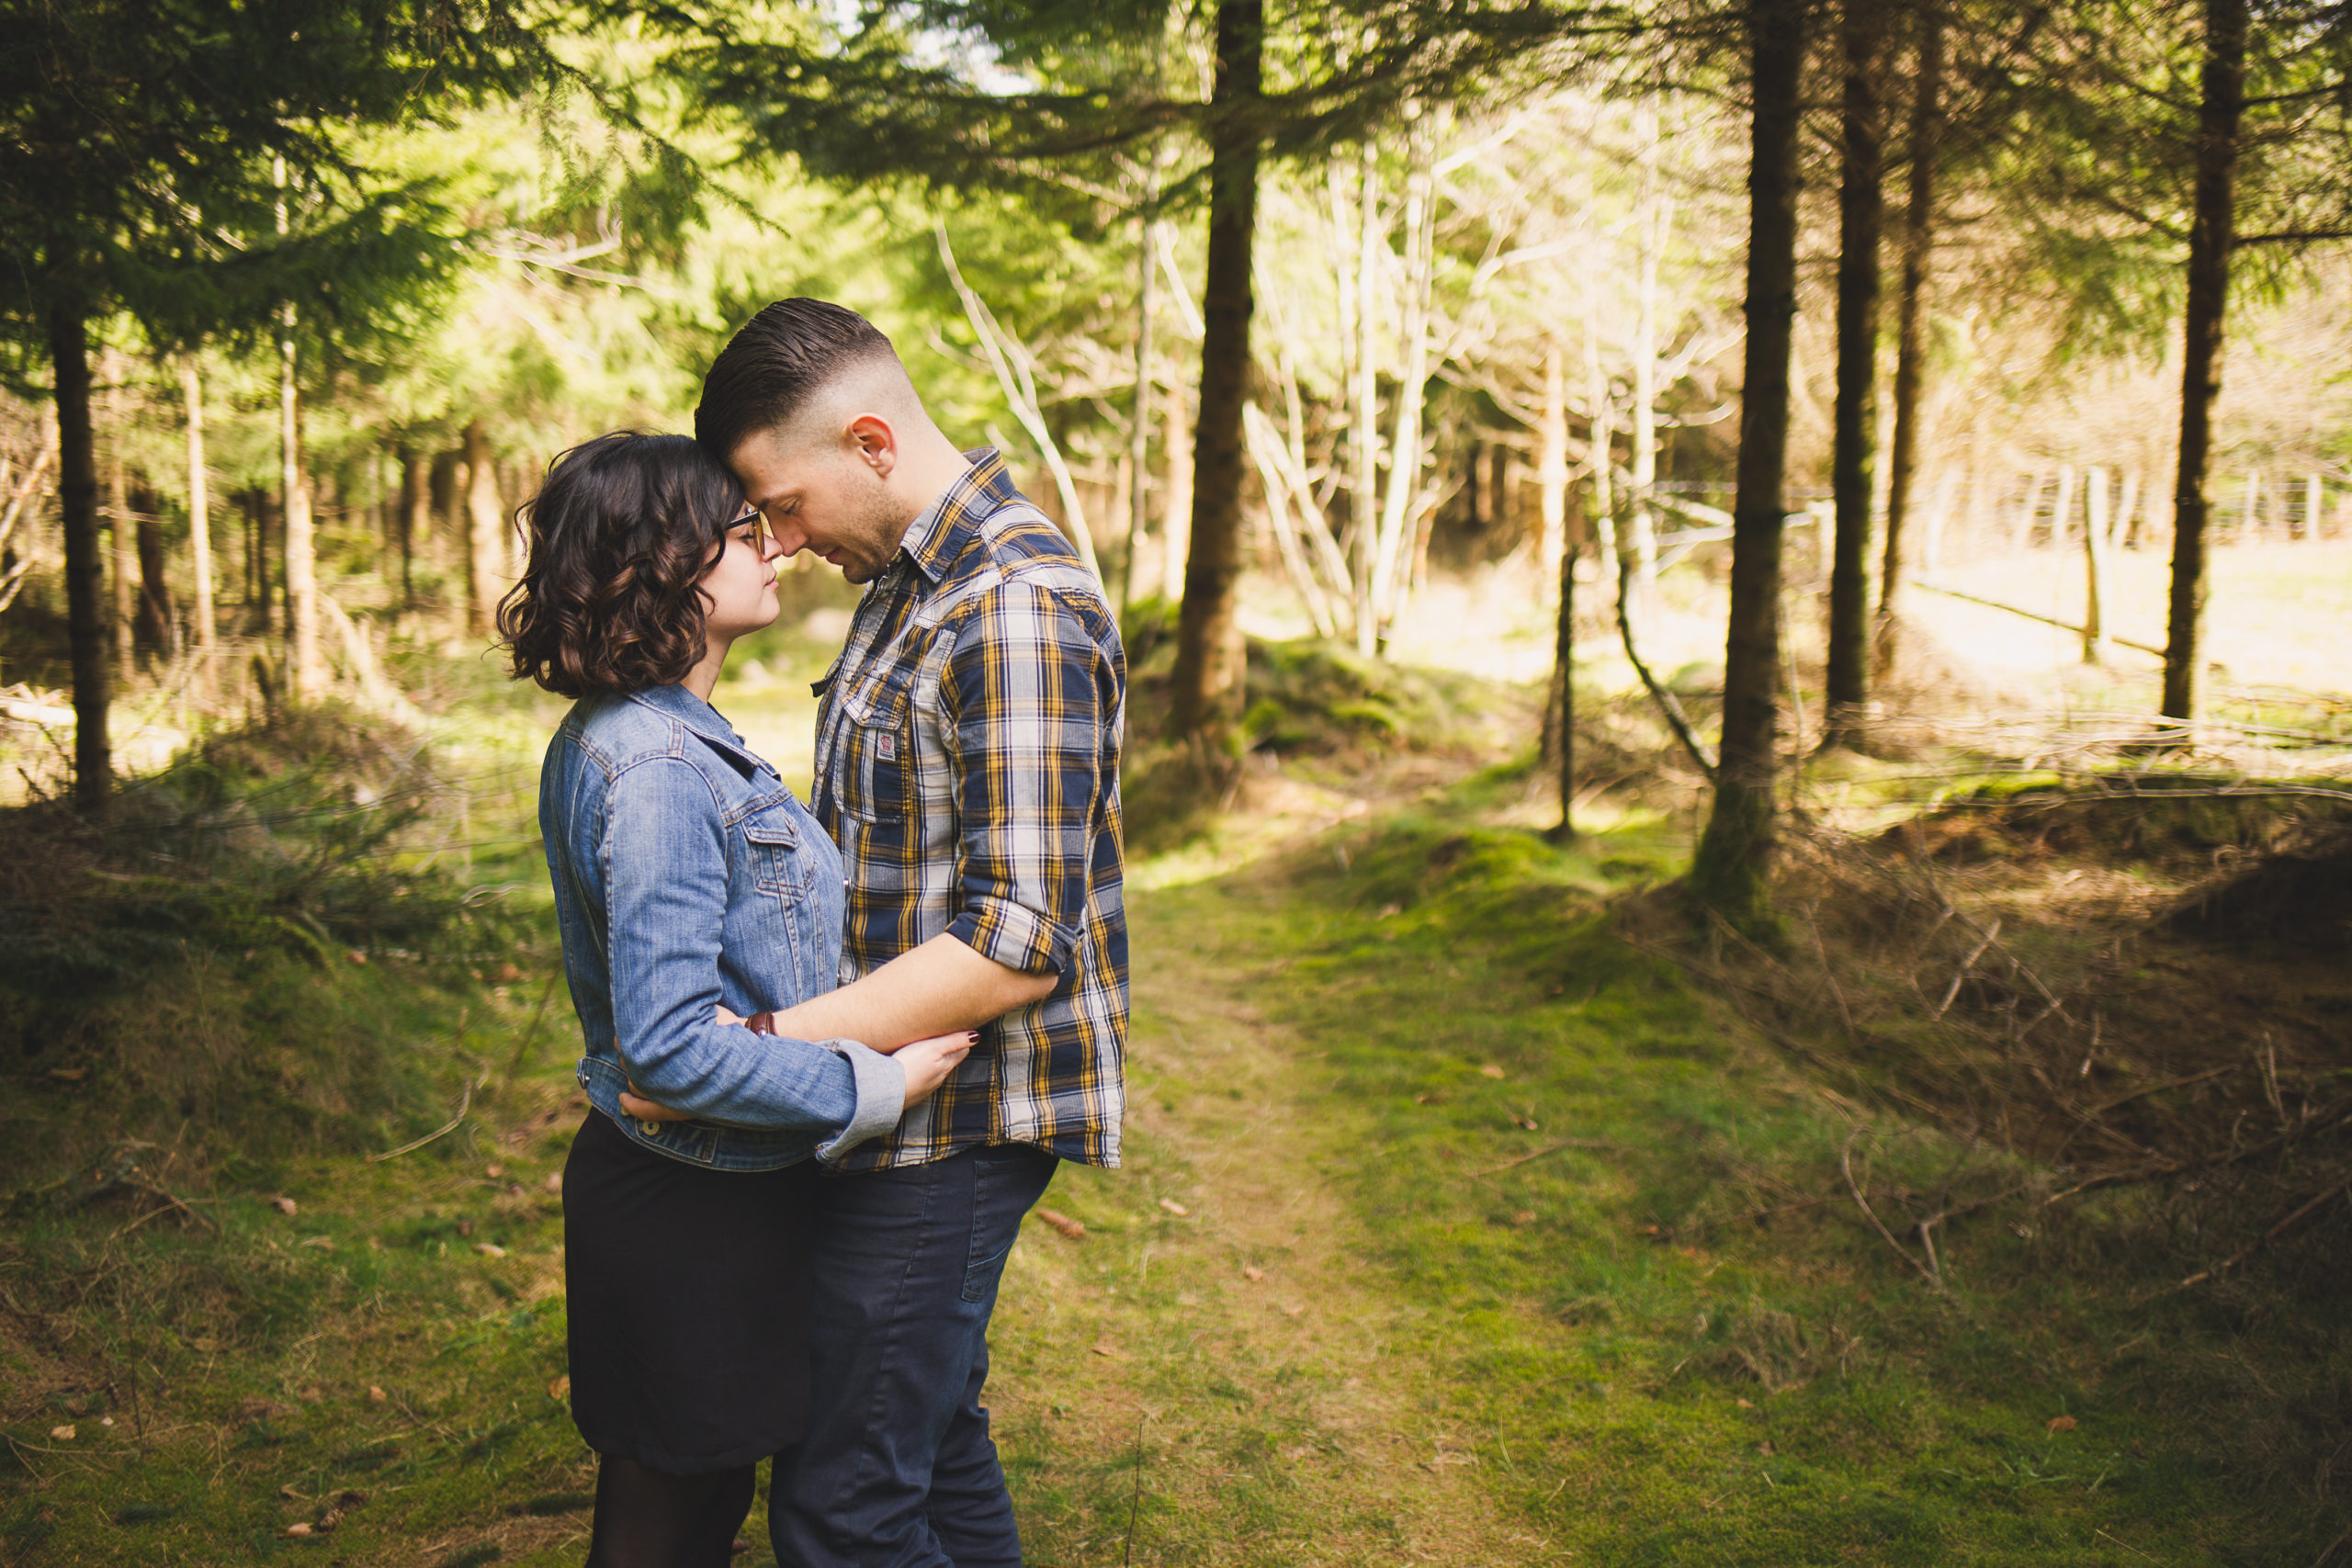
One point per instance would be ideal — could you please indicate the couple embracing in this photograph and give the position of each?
(835, 1051)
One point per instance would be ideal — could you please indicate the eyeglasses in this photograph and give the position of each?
(761, 534)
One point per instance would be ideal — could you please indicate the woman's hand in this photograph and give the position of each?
(928, 1062)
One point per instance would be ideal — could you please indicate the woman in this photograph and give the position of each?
(691, 888)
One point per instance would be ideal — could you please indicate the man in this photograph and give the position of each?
(967, 757)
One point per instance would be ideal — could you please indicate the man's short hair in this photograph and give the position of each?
(769, 370)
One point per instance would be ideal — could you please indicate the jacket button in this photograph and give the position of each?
(651, 1128)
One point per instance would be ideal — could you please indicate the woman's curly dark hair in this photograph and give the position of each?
(619, 535)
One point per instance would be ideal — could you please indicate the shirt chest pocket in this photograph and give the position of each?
(874, 761)
(772, 843)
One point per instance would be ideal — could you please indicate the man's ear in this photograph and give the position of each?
(875, 444)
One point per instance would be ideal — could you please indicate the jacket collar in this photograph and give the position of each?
(934, 540)
(679, 704)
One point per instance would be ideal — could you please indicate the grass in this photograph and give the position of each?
(1456, 1228)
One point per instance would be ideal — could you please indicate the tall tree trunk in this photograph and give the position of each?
(1176, 512)
(1139, 425)
(2095, 537)
(199, 506)
(1910, 369)
(1364, 445)
(1400, 511)
(125, 575)
(77, 505)
(1861, 205)
(1210, 663)
(448, 482)
(306, 673)
(416, 516)
(1552, 460)
(154, 613)
(485, 551)
(1730, 870)
(305, 662)
(1599, 455)
(1564, 690)
(2211, 235)
(1654, 216)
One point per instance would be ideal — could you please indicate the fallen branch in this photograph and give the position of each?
(1676, 719)
(1960, 976)
(1934, 1276)
(465, 1102)
(2265, 1238)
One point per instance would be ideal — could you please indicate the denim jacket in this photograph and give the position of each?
(688, 875)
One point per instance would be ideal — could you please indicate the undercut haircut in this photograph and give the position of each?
(783, 357)
(620, 534)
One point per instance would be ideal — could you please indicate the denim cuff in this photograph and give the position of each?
(881, 1096)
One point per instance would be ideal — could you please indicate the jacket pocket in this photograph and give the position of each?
(778, 865)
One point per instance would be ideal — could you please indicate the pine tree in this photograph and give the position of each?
(138, 137)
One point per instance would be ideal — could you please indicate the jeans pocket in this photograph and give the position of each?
(1004, 1184)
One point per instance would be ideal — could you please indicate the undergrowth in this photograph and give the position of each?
(254, 950)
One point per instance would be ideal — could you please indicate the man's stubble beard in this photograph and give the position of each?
(881, 526)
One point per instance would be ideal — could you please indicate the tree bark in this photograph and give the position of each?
(485, 553)
(154, 619)
(1564, 690)
(1861, 206)
(1139, 425)
(1551, 460)
(1364, 445)
(77, 504)
(1910, 370)
(1400, 511)
(1653, 219)
(1176, 512)
(415, 516)
(1210, 662)
(2211, 235)
(125, 571)
(2095, 536)
(306, 671)
(199, 506)
(1599, 458)
(1730, 872)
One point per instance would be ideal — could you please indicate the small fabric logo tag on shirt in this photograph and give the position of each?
(886, 746)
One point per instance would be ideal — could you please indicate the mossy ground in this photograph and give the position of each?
(1455, 1229)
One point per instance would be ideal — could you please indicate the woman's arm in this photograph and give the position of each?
(665, 897)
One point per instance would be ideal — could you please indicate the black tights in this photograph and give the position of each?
(648, 1518)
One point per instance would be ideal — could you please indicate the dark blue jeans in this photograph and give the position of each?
(897, 1470)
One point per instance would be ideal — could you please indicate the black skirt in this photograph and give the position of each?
(688, 1304)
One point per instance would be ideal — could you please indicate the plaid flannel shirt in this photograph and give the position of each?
(968, 765)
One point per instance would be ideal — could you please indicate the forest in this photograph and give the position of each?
(1737, 805)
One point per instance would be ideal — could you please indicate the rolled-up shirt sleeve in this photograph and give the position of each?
(665, 898)
(1027, 693)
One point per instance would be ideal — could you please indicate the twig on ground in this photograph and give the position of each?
(1846, 1164)
(2308, 1207)
(1960, 975)
(465, 1103)
(1135, 1499)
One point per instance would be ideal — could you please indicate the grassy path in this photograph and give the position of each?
(1499, 1247)
(1217, 1359)
(1454, 1230)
